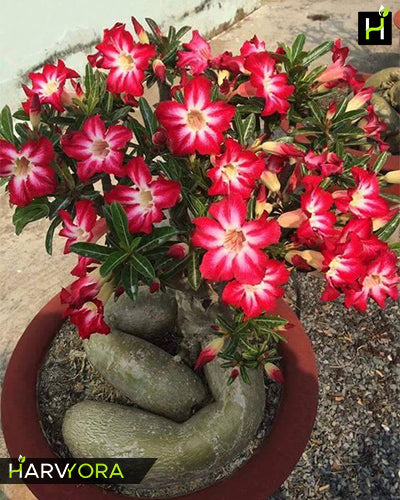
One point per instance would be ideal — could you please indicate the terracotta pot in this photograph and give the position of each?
(256, 480)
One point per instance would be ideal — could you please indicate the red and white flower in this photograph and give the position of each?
(126, 60)
(364, 200)
(197, 54)
(258, 298)
(381, 280)
(252, 46)
(269, 84)
(97, 148)
(89, 318)
(196, 124)
(210, 352)
(273, 372)
(29, 169)
(145, 201)
(235, 171)
(49, 85)
(83, 227)
(234, 245)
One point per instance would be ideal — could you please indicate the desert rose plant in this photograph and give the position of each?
(244, 170)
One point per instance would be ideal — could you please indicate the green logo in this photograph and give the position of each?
(21, 460)
(383, 12)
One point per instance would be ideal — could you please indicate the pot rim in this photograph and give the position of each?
(257, 479)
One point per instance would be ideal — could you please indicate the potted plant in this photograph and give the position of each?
(189, 215)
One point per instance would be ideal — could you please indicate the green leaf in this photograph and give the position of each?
(394, 198)
(143, 266)
(395, 247)
(148, 115)
(249, 126)
(194, 276)
(112, 261)
(385, 232)
(237, 120)
(121, 113)
(130, 281)
(89, 78)
(6, 121)
(38, 209)
(176, 267)
(153, 26)
(195, 205)
(120, 224)
(182, 32)
(317, 52)
(317, 111)
(379, 162)
(298, 46)
(50, 234)
(92, 250)
(158, 237)
(350, 116)
(22, 132)
(21, 115)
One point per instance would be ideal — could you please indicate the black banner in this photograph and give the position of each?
(74, 471)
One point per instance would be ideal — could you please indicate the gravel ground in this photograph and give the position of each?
(354, 451)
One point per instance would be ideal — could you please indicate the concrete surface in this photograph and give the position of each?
(29, 277)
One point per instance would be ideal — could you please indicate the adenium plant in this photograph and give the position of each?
(245, 170)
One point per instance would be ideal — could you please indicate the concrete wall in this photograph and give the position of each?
(31, 31)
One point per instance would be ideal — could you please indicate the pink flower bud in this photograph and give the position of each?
(234, 373)
(140, 31)
(155, 286)
(160, 137)
(360, 99)
(159, 69)
(273, 372)
(34, 111)
(178, 250)
(210, 352)
(271, 181)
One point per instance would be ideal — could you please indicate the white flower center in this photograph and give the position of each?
(23, 167)
(234, 240)
(229, 172)
(100, 148)
(50, 87)
(126, 62)
(196, 119)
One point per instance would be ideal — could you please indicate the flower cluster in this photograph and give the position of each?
(250, 166)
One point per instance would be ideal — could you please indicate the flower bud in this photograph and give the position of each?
(273, 372)
(392, 177)
(359, 99)
(310, 257)
(140, 31)
(292, 219)
(159, 69)
(234, 374)
(155, 286)
(160, 137)
(210, 352)
(34, 111)
(178, 250)
(271, 181)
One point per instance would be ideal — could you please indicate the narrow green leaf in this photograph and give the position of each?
(298, 46)
(50, 234)
(130, 281)
(194, 276)
(237, 120)
(143, 266)
(38, 209)
(112, 261)
(7, 129)
(92, 250)
(177, 267)
(21, 115)
(148, 115)
(158, 237)
(385, 232)
(394, 198)
(120, 224)
(89, 78)
(249, 126)
(317, 52)
(380, 162)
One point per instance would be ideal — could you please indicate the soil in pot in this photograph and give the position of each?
(67, 377)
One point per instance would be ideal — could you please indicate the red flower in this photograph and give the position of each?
(96, 148)
(273, 372)
(326, 164)
(252, 46)
(374, 127)
(235, 171)
(234, 245)
(197, 54)
(339, 53)
(210, 352)
(146, 199)
(126, 60)
(82, 290)
(269, 84)
(83, 227)
(380, 281)
(29, 168)
(198, 123)
(258, 298)
(88, 318)
(178, 250)
(49, 85)
(364, 200)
